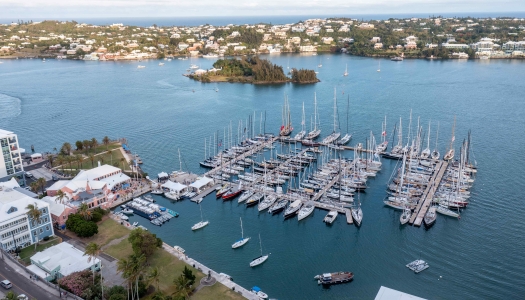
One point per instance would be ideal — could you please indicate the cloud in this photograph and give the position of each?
(169, 8)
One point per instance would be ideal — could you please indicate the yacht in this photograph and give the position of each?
(245, 196)
(161, 64)
(261, 259)
(330, 217)
(243, 239)
(201, 224)
(267, 202)
(307, 210)
(194, 67)
(257, 291)
(140, 67)
(278, 207)
(357, 215)
(179, 249)
(405, 216)
(430, 217)
(292, 209)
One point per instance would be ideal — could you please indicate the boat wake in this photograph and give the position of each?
(10, 107)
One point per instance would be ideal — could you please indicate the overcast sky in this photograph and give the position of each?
(171, 8)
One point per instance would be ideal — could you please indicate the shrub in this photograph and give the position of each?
(77, 282)
(46, 238)
(96, 217)
(80, 226)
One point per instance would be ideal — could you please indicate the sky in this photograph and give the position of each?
(23, 9)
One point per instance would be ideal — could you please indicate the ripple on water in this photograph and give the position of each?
(10, 107)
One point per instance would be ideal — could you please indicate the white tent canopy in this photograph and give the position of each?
(200, 183)
(174, 186)
(163, 175)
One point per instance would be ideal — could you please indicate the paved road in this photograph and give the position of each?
(23, 285)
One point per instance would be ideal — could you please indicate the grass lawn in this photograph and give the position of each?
(120, 250)
(108, 230)
(217, 291)
(100, 153)
(27, 252)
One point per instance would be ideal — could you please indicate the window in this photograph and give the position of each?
(34, 232)
(41, 230)
(47, 228)
(46, 219)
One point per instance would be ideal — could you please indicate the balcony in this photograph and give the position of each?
(12, 140)
(14, 148)
(15, 155)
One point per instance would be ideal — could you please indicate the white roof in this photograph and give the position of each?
(174, 186)
(97, 172)
(15, 202)
(10, 184)
(115, 179)
(55, 208)
(37, 271)
(390, 294)
(34, 155)
(81, 185)
(200, 182)
(58, 185)
(64, 256)
(162, 174)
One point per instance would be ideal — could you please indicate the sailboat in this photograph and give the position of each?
(242, 241)
(201, 224)
(286, 127)
(315, 132)
(425, 154)
(346, 71)
(335, 134)
(430, 217)
(450, 153)
(384, 143)
(319, 65)
(407, 213)
(347, 137)
(261, 259)
(379, 68)
(302, 133)
(435, 154)
(357, 213)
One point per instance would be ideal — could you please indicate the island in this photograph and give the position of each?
(252, 70)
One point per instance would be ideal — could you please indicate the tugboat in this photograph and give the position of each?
(334, 278)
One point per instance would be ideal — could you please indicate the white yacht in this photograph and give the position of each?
(140, 67)
(267, 202)
(330, 217)
(245, 196)
(261, 259)
(179, 249)
(194, 67)
(242, 241)
(357, 215)
(307, 210)
(201, 224)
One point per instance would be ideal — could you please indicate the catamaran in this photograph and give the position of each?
(315, 132)
(242, 241)
(286, 127)
(261, 259)
(201, 224)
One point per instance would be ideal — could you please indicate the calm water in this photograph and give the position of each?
(160, 111)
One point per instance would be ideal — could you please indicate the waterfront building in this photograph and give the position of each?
(17, 229)
(454, 46)
(378, 46)
(61, 260)
(485, 45)
(11, 160)
(511, 46)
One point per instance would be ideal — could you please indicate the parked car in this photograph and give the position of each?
(22, 297)
(29, 175)
(6, 284)
(55, 178)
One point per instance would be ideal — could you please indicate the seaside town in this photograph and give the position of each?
(433, 37)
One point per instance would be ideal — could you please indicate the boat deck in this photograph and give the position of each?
(426, 200)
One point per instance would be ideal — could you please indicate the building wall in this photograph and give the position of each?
(20, 227)
(42, 228)
(10, 159)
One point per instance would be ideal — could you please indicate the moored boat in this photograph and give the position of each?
(334, 278)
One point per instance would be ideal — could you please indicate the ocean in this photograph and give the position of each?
(159, 111)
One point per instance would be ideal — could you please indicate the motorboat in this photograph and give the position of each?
(305, 211)
(127, 211)
(179, 249)
(334, 278)
(257, 291)
(330, 217)
(405, 216)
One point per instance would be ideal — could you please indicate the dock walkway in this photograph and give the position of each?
(349, 218)
(426, 200)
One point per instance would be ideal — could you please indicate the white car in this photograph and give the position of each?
(29, 175)
(6, 284)
(23, 297)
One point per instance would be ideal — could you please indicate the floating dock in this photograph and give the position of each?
(426, 200)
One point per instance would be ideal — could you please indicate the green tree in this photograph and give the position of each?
(79, 158)
(79, 145)
(123, 162)
(34, 214)
(51, 159)
(41, 182)
(154, 277)
(10, 296)
(86, 145)
(92, 159)
(182, 287)
(106, 141)
(92, 251)
(60, 196)
(144, 242)
(189, 275)
(94, 144)
(66, 148)
(34, 187)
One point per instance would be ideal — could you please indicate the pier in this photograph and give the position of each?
(349, 218)
(426, 200)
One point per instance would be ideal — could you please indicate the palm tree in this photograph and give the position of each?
(92, 159)
(66, 148)
(86, 144)
(124, 267)
(94, 144)
(79, 158)
(182, 286)
(92, 251)
(154, 277)
(41, 182)
(34, 187)
(84, 211)
(106, 141)
(131, 270)
(69, 160)
(50, 158)
(34, 214)
(122, 161)
(60, 161)
(61, 196)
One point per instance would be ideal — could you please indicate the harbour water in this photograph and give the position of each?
(159, 111)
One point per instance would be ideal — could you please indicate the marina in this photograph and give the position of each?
(170, 121)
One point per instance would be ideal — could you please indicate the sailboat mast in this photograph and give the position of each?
(428, 137)
(315, 111)
(453, 137)
(437, 133)
(242, 231)
(180, 161)
(335, 108)
(303, 121)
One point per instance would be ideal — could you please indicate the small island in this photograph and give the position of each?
(252, 70)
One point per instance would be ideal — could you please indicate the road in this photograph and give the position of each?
(22, 284)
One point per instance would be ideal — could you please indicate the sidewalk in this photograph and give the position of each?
(225, 281)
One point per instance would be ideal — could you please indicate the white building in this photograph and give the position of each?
(16, 228)
(61, 260)
(10, 162)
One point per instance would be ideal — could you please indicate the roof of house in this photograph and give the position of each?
(13, 203)
(54, 208)
(58, 185)
(65, 257)
(104, 170)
